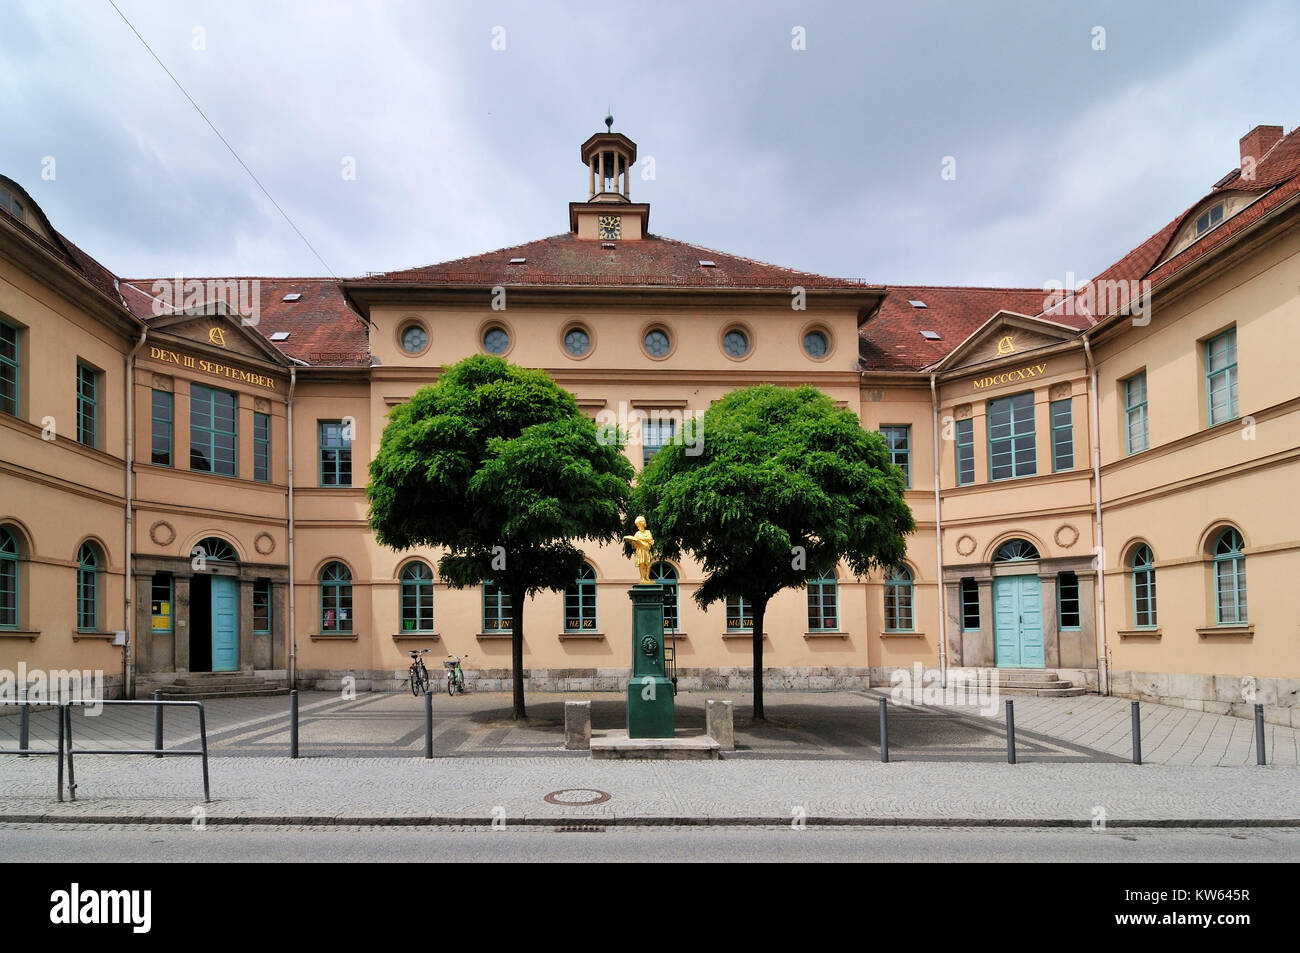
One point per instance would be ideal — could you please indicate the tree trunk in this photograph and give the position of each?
(760, 608)
(517, 653)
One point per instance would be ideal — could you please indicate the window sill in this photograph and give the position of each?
(825, 635)
(426, 636)
(581, 635)
(1226, 631)
(1151, 633)
(741, 635)
(495, 635)
(335, 637)
(28, 634)
(78, 635)
(902, 635)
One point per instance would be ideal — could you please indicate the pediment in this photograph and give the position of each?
(218, 328)
(1006, 334)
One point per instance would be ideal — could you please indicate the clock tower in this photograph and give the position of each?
(609, 214)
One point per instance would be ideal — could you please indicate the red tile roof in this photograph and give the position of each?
(323, 328)
(891, 340)
(564, 260)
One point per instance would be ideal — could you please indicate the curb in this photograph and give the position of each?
(333, 820)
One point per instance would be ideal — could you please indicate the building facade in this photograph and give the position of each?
(1100, 475)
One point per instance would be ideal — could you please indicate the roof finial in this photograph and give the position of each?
(609, 120)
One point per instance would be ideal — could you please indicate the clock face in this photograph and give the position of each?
(611, 226)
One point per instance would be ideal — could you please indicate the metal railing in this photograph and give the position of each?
(67, 748)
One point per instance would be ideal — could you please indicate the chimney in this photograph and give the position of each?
(1256, 143)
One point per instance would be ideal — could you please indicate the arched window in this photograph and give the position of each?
(1230, 578)
(87, 588)
(1015, 550)
(898, 600)
(215, 549)
(497, 615)
(823, 604)
(335, 599)
(740, 615)
(8, 579)
(664, 574)
(417, 598)
(1143, 567)
(580, 602)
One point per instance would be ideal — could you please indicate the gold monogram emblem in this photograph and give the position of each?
(217, 336)
(1005, 346)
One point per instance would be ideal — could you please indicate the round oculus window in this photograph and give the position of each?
(735, 343)
(496, 340)
(577, 342)
(657, 343)
(816, 344)
(414, 339)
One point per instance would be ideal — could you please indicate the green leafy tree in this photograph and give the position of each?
(497, 465)
(773, 487)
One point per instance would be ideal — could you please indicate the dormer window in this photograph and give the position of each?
(11, 205)
(1209, 218)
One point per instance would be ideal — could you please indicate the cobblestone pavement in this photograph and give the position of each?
(814, 725)
(330, 790)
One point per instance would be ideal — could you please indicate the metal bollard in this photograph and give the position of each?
(1011, 733)
(24, 724)
(293, 723)
(158, 723)
(428, 724)
(1259, 735)
(61, 716)
(1137, 735)
(884, 729)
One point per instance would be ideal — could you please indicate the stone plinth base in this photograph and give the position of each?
(616, 744)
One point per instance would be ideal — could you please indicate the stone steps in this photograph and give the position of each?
(1030, 682)
(204, 685)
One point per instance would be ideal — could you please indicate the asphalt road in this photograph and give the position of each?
(28, 843)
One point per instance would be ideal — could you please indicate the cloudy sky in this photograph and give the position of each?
(828, 158)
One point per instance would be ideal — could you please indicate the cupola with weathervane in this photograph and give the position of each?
(609, 214)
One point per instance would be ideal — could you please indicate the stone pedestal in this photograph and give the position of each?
(577, 725)
(650, 710)
(719, 723)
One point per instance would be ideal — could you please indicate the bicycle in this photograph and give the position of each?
(419, 674)
(455, 675)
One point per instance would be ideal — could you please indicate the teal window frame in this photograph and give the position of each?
(335, 457)
(665, 574)
(1230, 578)
(9, 588)
(87, 405)
(1062, 417)
(970, 605)
(580, 602)
(162, 415)
(1135, 413)
(416, 597)
(10, 368)
(261, 447)
(1142, 568)
(1018, 437)
(262, 607)
(824, 603)
(1221, 376)
(898, 437)
(738, 610)
(87, 588)
(498, 613)
(207, 435)
(1068, 606)
(655, 435)
(965, 452)
(900, 615)
(336, 597)
(164, 591)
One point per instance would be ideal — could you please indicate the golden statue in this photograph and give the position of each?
(642, 540)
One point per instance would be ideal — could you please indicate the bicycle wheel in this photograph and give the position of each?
(451, 684)
(424, 678)
(415, 682)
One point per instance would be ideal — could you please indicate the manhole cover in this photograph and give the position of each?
(577, 797)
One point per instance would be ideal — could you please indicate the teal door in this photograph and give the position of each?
(225, 624)
(1018, 622)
